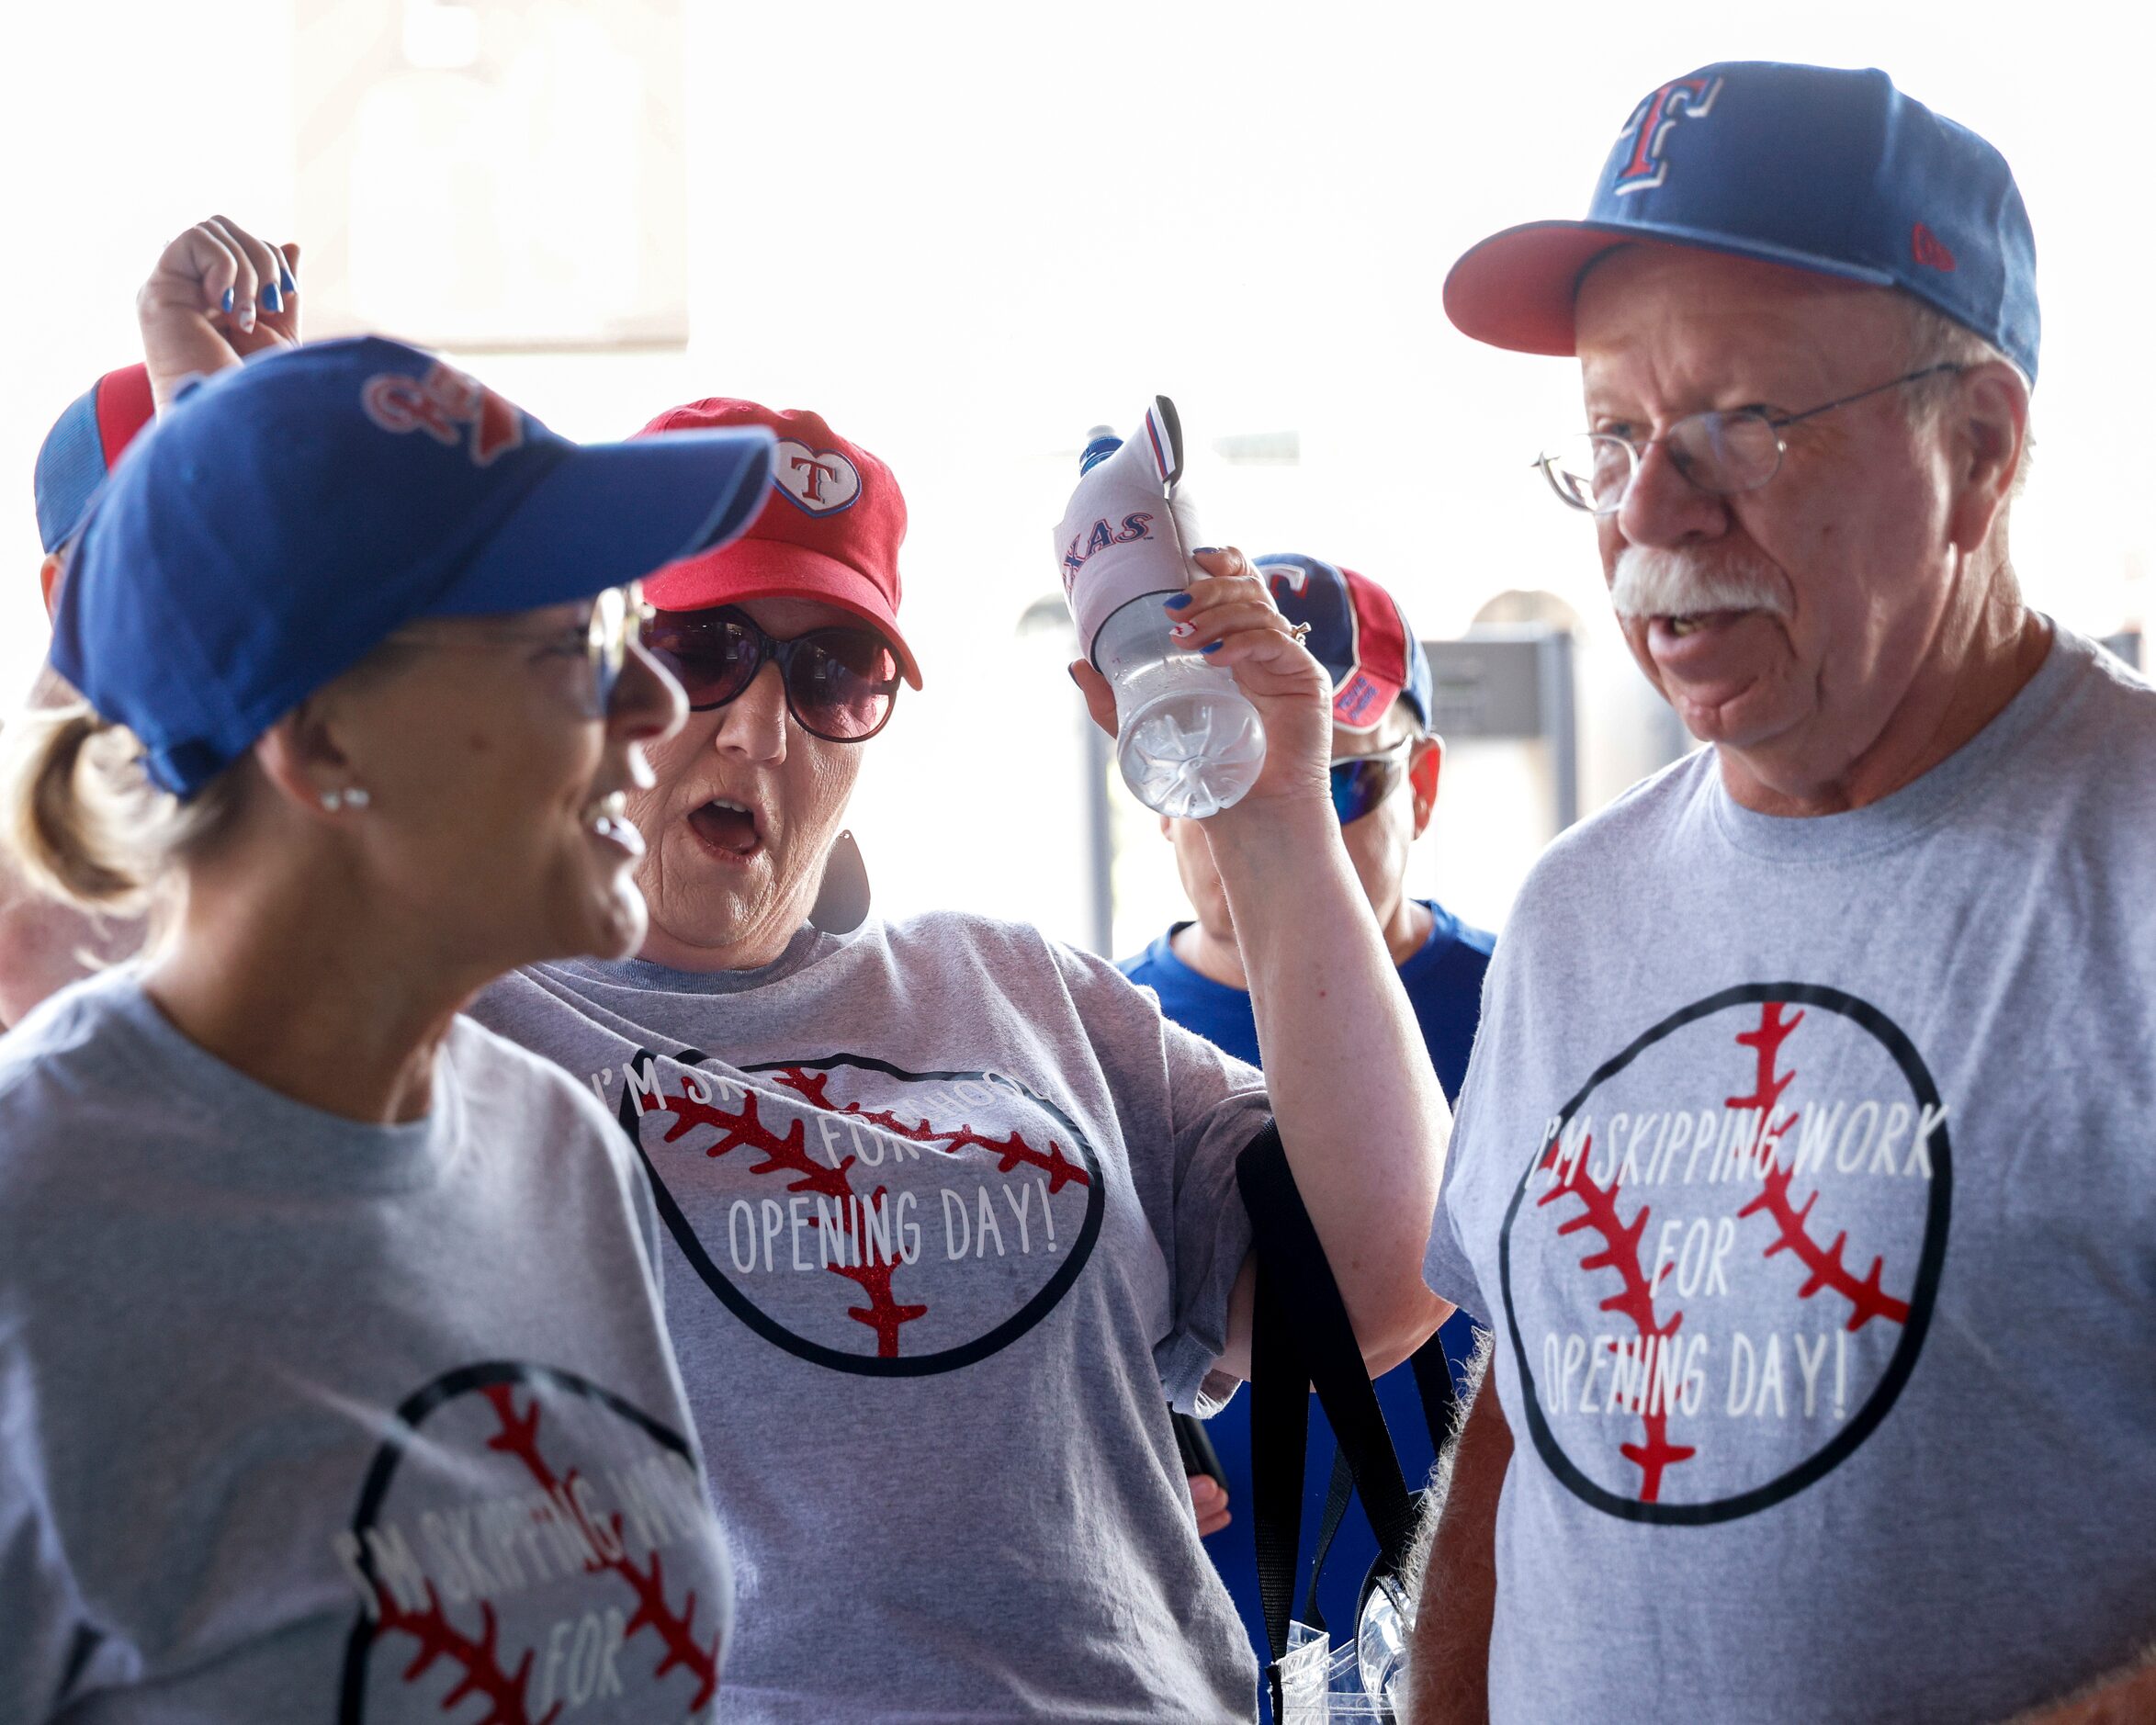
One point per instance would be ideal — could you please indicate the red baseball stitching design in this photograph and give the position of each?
(482, 1662)
(1636, 1300)
(883, 1314)
(519, 1436)
(1011, 1152)
(1620, 1243)
(789, 1154)
(1866, 1299)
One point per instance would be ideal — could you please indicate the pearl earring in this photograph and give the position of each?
(357, 798)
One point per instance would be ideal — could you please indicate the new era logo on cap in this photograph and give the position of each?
(1925, 248)
(821, 481)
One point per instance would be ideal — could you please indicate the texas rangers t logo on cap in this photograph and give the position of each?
(821, 481)
(1688, 99)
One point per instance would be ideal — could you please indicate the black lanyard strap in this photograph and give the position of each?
(1302, 1337)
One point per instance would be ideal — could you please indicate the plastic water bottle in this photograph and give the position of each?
(1188, 742)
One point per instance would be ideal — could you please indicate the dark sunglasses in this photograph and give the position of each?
(840, 682)
(1360, 784)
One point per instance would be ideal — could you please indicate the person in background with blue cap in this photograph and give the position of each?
(43, 946)
(1385, 765)
(78, 452)
(253, 293)
(336, 1377)
(1802, 1162)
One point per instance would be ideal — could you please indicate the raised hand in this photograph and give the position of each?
(216, 295)
(1229, 616)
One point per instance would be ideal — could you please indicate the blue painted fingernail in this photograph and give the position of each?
(1206, 550)
(270, 298)
(285, 279)
(1215, 647)
(1179, 601)
(228, 299)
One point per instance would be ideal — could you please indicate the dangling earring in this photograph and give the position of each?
(841, 904)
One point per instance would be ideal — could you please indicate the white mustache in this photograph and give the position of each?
(1655, 581)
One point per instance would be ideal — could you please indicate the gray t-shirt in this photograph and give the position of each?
(302, 1419)
(1805, 1169)
(950, 1205)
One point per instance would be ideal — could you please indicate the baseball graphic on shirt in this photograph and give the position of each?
(1720, 1257)
(531, 1550)
(860, 1216)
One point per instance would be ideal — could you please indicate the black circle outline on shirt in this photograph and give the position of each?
(1921, 1296)
(1044, 1300)
(404, 1425)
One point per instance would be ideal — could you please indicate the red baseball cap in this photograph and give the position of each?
(831, 528)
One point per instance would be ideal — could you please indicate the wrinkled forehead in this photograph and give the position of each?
(1673, 323)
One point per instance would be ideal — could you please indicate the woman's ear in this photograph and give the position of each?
(302, 759)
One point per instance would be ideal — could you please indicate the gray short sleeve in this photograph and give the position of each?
(1188, 1111)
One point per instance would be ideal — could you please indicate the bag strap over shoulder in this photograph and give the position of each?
(1302, 1337)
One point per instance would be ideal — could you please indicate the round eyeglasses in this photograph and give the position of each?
(602, 639)
(1726, 452)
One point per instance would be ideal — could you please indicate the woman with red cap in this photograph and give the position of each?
(948, 1203)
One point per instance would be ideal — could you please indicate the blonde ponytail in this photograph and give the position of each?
(82, 820)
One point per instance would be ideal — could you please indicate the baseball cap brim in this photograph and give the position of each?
(771, 569)
(1517, 288)
(608, 513)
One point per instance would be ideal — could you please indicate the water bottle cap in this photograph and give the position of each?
(1101, 442)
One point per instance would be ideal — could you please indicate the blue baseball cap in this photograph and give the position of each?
(1358, 632)
(82, 448)
(1816, 168)
(286, 516)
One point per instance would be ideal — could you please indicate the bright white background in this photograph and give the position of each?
(967, 232)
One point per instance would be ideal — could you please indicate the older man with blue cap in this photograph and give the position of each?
(1801, 1165)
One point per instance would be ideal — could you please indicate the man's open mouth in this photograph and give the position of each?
(1683, 623)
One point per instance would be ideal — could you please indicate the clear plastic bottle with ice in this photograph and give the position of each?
(1187, 740)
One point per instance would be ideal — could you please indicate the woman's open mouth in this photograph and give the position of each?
(727, 828)
(606, 819)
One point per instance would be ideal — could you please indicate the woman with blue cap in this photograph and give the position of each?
(333, 1381)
